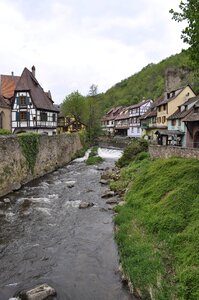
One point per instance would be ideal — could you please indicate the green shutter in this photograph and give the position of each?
(17, 116)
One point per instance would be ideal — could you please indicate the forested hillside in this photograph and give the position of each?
(148, 83)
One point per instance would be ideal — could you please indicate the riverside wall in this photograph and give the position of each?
(157, 151)
(54, 152)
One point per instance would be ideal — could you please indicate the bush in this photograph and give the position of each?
(135, 147)
(5, 132)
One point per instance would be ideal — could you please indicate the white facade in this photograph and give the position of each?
(135, 112)
(27, 118)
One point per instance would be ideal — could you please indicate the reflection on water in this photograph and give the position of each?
(46, 238)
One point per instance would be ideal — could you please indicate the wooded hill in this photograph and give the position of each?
(148, 83)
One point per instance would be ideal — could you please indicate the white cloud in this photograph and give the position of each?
(75, 43)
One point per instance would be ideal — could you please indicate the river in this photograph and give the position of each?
(46, 238)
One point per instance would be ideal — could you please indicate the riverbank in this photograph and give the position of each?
(157, 228)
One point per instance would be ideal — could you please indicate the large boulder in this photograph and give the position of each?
(40, 292)
(108, 194)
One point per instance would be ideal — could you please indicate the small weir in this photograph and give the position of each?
(46, 238)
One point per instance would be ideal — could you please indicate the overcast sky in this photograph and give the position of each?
(76, 43)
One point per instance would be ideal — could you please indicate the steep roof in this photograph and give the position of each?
(124, 114)
(139, 104)
(28, 82)
(7, 85)
(180, 114)
(112, 113)
(193, 116)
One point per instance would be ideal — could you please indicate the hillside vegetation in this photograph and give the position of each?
(148, 83)
(157, 228)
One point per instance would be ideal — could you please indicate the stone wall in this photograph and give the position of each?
(157, 151)
(54, 151)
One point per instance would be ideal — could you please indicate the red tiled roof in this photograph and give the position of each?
(7, 85)
(124, 114)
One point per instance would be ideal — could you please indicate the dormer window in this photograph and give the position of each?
(22, 100)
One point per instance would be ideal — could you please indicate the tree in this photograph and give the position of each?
(93, 114)
(74, 106)
(190, 34)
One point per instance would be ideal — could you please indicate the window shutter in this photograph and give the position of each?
(17, 100)
(27, 101)
(28, 116)
(17, 116)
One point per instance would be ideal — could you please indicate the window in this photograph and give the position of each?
(163, 119)
(173, 122)
(159, 119)
(23, 116)
(22, 100)
(164, 107)
(43, 116)
(138, 130)
(132, 129)
(179, 122)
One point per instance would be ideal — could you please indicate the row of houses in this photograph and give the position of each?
(172, 119)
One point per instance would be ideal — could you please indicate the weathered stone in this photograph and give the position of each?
(112, 201)
(108, 194)
(54, 151)
(6, 200)
(70, 184)
(1, 212)
(86, 204)
(40, 292)
(16, 186)
(103, 181)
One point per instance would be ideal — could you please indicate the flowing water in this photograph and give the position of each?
(46, 238)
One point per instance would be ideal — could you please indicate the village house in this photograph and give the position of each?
(166, 108)
(68, 124)
(176, 124)
(7, 88)
(192, 123)
(32, 108)
(148, 121)
(135, 112)
(108, 121)
(122, 122)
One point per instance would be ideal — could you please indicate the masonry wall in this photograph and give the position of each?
(157, 151)
(54, 151)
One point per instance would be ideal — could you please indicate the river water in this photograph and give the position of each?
(46, 238)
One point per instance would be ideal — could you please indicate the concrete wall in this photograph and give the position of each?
(54, 152)
(157, 151)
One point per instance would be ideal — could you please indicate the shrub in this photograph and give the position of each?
(135, 147)
(5, 132)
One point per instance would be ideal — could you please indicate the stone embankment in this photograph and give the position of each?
(53, 152)
(157, 151)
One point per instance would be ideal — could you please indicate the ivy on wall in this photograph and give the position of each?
(29, 143)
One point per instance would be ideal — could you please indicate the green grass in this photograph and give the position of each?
(158, 227)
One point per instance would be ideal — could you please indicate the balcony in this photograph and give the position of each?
(144, 126)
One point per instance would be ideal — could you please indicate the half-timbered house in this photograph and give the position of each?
(33, 109)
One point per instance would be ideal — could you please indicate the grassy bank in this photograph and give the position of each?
(157, 228)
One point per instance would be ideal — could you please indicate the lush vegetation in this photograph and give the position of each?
(5, 131)
(149, 83)
(189, 11)
(29, 143)
(130, 153)
(85, 110)
(94, 158)
(157, 228)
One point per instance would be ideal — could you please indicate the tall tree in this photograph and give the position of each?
(93, 114)
(74, 106)
(190, 34)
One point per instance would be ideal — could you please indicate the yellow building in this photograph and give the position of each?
(170, 104)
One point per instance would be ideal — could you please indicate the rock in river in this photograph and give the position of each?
(112, 201)
(40, 292)
(86, 204)
(108, 194)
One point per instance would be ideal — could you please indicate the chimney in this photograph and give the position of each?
(33, 71)
(12, 73)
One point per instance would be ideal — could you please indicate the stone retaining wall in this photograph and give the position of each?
(157, 151)
(54, 151)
